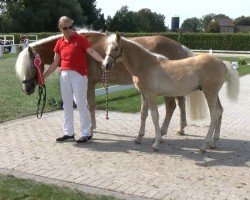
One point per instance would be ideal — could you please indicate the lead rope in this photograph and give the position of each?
(105, 77)
(41, 86)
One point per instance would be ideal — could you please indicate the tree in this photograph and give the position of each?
(123, 20)
(38, 15)
(142, 21)
(242, 21)
(191, 25)
(93, 16)
(150, 21)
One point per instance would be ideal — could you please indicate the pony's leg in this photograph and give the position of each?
(155, 118)
(144, 115)
(170, 107)
(91, 104)
(214, 115)
(218, 126)
(183, 119)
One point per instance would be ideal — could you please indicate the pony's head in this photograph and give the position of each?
(26, 70)
(113, 50)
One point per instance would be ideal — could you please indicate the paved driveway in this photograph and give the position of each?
(113, 164)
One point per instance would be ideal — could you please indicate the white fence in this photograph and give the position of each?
(8, 44)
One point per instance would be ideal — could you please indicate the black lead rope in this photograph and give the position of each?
(41, 96)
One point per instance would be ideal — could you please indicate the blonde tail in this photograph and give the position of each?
(233, 82)
(196, 102)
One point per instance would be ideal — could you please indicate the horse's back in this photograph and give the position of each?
(162, 45)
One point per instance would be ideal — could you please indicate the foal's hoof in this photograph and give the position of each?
(180, 132)
(154, 148)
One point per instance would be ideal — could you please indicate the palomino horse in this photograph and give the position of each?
(158, 44)
(155, 75)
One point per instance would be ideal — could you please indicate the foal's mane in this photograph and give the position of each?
(112, 39)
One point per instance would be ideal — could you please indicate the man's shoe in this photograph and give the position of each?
(65, 138)
(84, 139)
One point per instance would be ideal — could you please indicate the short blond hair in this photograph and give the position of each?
(64, 19)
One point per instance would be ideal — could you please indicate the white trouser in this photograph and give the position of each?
(74, 84)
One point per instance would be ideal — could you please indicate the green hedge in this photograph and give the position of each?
(217, 41)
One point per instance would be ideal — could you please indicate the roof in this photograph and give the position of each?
(223, 21)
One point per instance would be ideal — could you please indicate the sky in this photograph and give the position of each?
(179, 8)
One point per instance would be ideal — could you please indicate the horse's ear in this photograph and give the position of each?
(118, 35)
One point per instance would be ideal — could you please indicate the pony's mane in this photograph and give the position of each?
(112, 39)
(56, 37)
(23, 69)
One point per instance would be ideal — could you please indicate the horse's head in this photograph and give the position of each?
(26, 70)
(113, 51)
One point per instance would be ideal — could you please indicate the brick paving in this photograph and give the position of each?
(114, 165)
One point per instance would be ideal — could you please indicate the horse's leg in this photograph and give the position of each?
(170, 107)
(144, 115)
(183, 119)
(218, 126)
(91, 104)
(214, 115)
(155, 118)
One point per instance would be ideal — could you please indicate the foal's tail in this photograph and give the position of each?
(233, 82)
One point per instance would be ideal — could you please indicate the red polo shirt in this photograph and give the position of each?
(73, 53)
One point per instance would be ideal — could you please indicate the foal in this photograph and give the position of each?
(155, 75)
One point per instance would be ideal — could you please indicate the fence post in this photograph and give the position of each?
(13, 49)
(1, 51)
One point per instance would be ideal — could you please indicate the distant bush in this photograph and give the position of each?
(242, 61)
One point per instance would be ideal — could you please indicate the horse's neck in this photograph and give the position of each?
(135, 57)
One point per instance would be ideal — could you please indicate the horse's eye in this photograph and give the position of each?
(116, 48)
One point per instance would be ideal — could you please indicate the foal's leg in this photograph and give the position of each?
(218, 126)
(183, 119)
(170, 107)
(144, 115)
(155, 118)
(91, 104)
(214, 115)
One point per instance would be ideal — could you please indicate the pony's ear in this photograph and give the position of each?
(118, 36)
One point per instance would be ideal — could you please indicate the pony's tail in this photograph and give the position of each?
(188, 51)
(196, 102)
(233, 82)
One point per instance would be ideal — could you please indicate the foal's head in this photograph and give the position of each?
(113, 51)
(26, 70)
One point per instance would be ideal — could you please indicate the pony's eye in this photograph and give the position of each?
(116, 48)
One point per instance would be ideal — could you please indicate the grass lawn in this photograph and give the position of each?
(14, 188)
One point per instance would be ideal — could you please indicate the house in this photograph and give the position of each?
(226, 25)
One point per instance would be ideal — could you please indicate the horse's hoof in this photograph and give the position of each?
(153, 148)
(163, 133)
(180, 133)
(137, 141)
(212, 146)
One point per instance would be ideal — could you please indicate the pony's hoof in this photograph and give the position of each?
(137, 141)
(180, 132)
